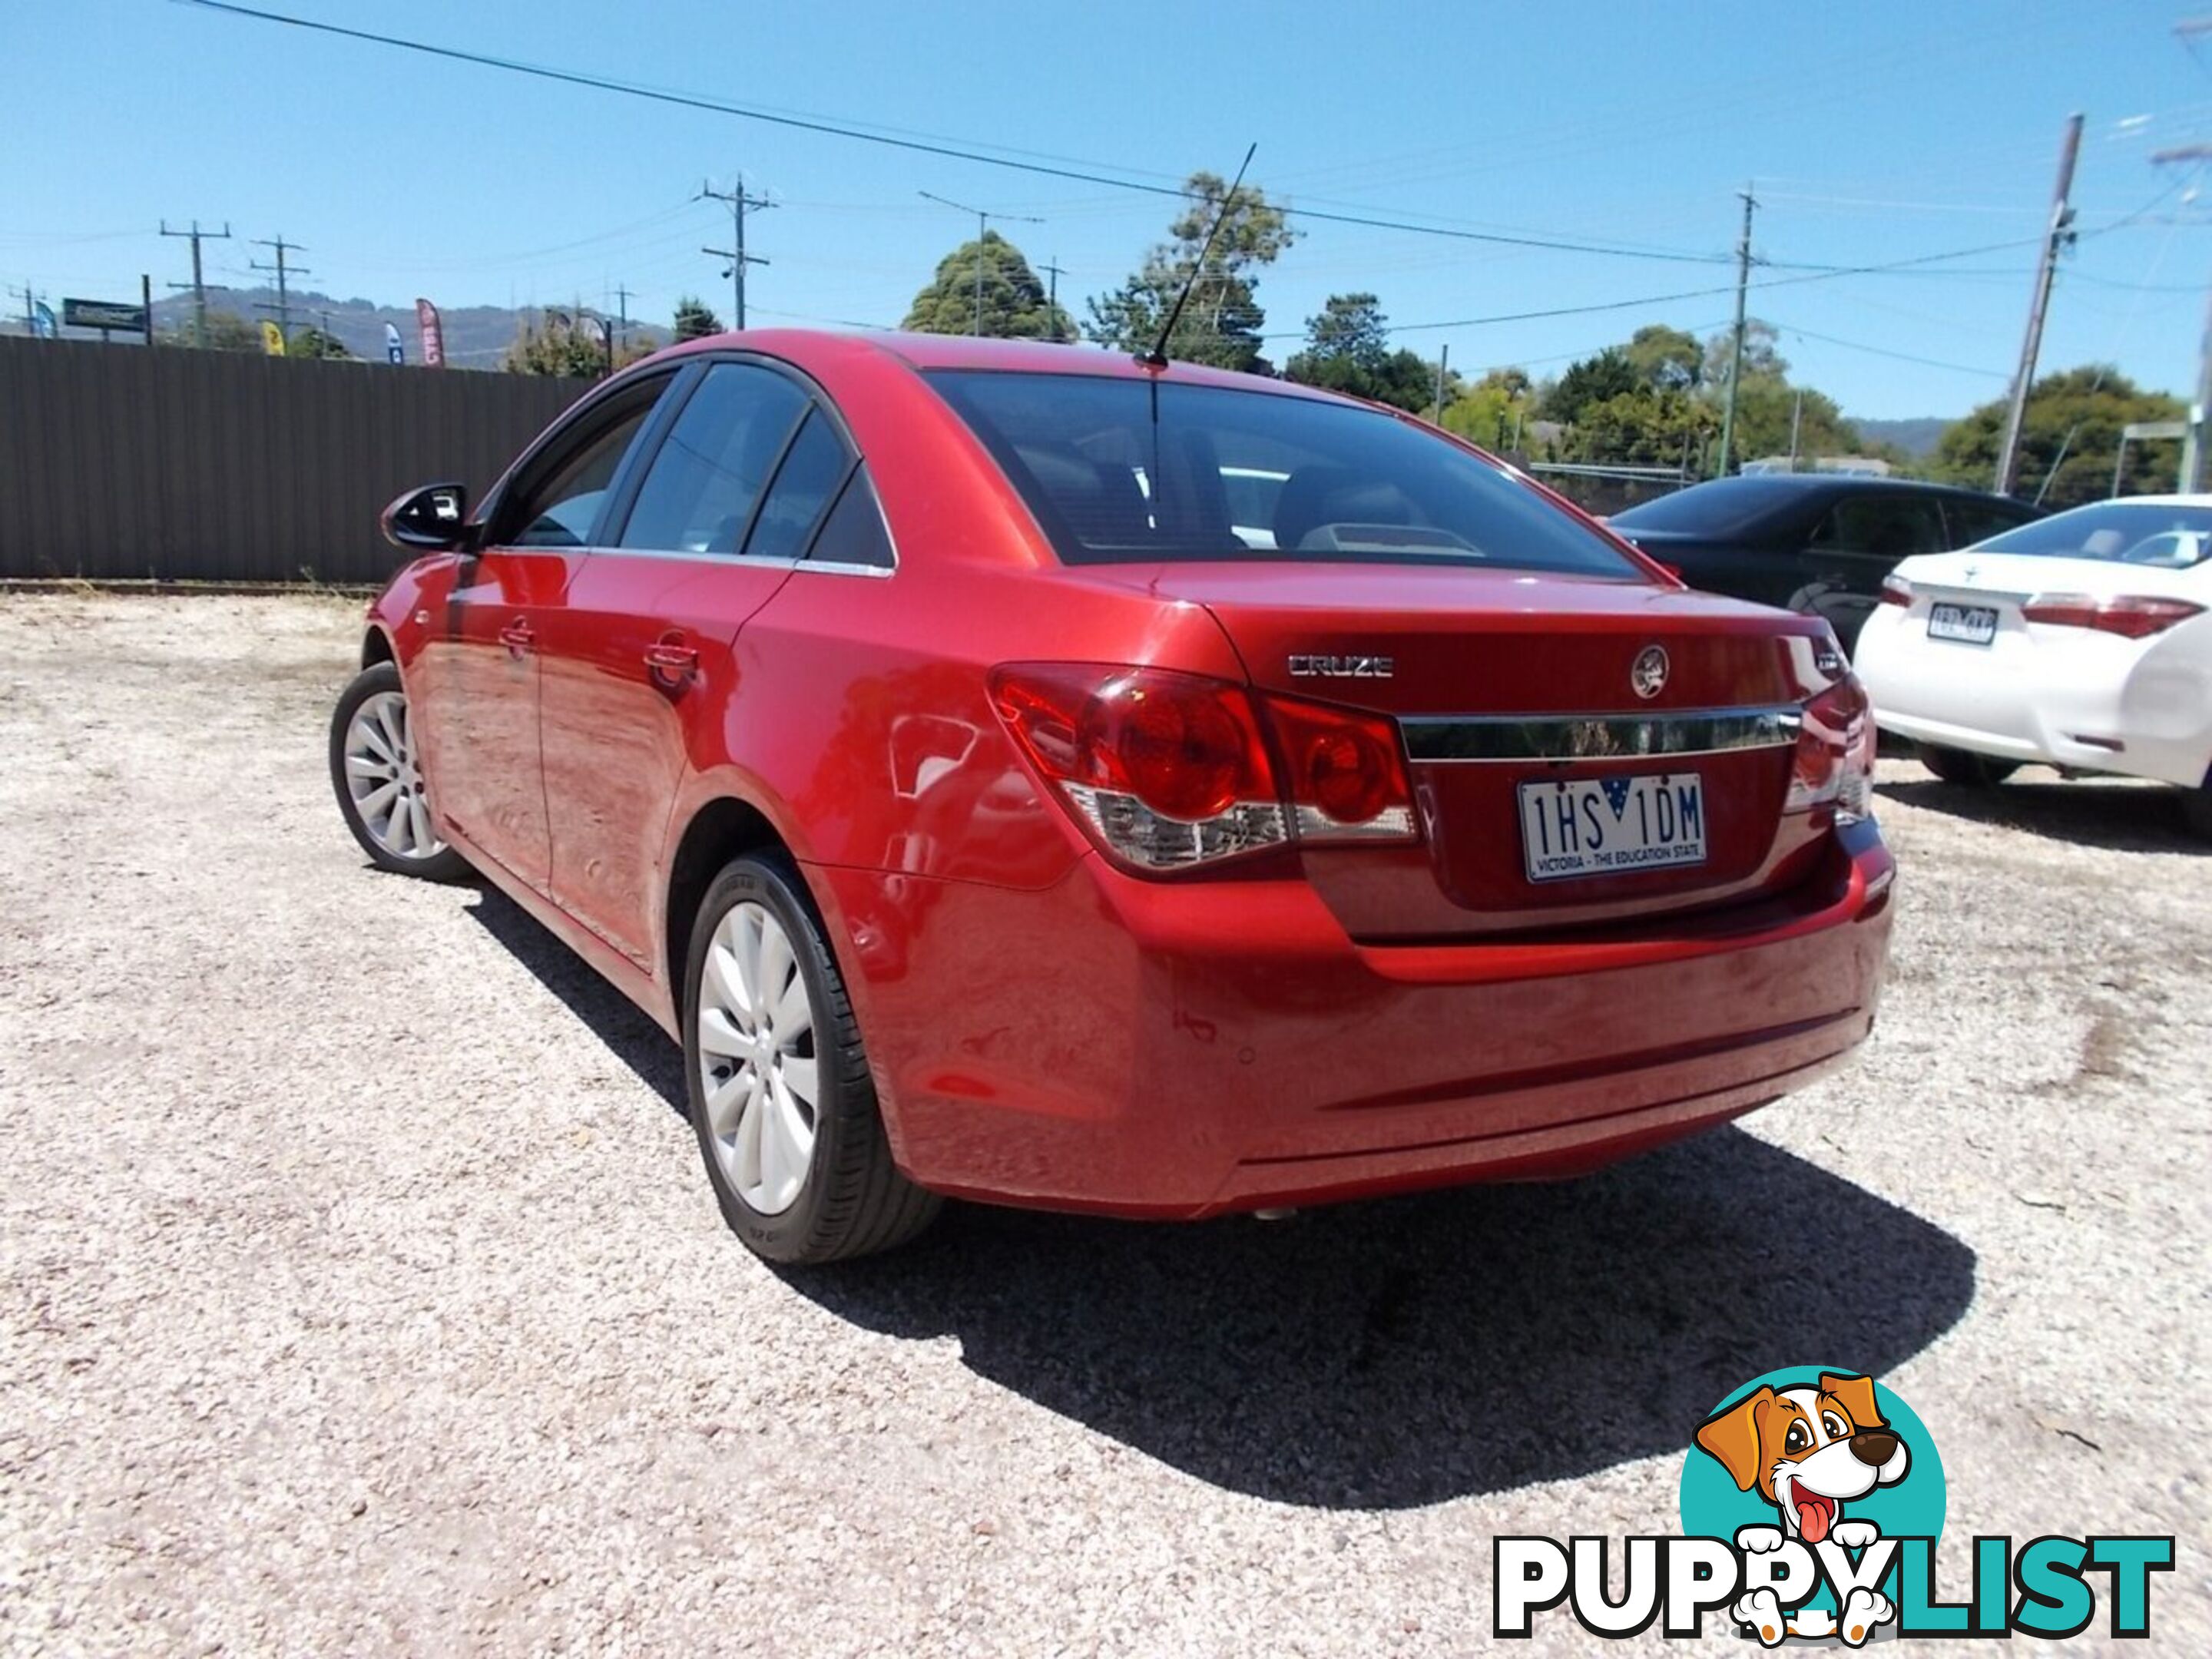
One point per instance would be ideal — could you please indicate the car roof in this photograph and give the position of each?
(2149, 501)
(1779, 483)
(968, 351)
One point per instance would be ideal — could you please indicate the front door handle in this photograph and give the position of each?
(671, 661)
(519, 636)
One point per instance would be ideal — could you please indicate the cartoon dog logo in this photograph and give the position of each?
(1808, 1451)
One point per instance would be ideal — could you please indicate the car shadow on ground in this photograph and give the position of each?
(2120, 817)
(1399, 1352)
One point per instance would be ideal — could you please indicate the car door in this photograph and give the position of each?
(713, 524)
(1857, 542)
(481, 668)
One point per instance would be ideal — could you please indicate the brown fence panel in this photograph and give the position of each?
(118, 462)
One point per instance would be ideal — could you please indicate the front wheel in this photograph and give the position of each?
(378, 774)
(781, 1098)
(1964, 770)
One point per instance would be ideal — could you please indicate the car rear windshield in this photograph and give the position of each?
(1124, 471)
(2168, 537)
(1720, 508)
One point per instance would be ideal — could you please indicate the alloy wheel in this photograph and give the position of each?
(385, 778)
(758, 1069)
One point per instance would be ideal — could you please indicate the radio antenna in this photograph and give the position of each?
(1157, 356)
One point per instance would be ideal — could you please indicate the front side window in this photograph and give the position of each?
(561, 508)
(1884, 526)
(1120, 471)
(2164, 536)
(707, 477)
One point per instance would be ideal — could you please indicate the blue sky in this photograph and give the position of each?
(1874, 131)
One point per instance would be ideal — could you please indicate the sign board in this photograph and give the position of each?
(103, 314)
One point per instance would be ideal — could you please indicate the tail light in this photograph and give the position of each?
(1895, 590)
(1834, 763)
(1166, 770)
(2135, 617)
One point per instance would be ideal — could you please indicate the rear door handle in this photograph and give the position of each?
(518, 636)
(671, 661)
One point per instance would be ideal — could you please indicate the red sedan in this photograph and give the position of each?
(1034, 774)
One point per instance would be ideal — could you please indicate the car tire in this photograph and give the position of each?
(750, 1050)
(2196, 809)
(377, 774)
(1964, 769)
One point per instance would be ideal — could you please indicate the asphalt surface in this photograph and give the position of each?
(362, 1291)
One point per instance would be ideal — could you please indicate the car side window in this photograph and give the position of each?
(854, 533)
(1884, 526)
(707, 477)
(561, 508)
(813, 469)
(1977, 521)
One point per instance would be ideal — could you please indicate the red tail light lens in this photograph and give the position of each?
(1347, 772)
(2135, 617)
(1895, 590)
(1166, 770)
(1834, 763)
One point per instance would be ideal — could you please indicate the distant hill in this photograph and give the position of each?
(476, 336)
(1917, 437)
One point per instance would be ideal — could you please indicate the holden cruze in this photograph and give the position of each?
(1035, 774)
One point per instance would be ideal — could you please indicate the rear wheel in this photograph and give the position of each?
(1964, 769)
(781, 1095)
(378, 774)
(2196, 809)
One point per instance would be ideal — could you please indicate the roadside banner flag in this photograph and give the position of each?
(393, 351)
(434, 335)
(43, 325)
(273, 338)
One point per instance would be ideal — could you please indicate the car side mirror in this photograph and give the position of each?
(431, 520)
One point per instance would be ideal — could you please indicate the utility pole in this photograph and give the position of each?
(1053, 273)
(285, 273)
(1443, 357)
(983, 217)
(2056, 240)
(2197, 441)
(1736, 363)
(198, 286)
(1796, 425)
(740, 205)
(621, 317)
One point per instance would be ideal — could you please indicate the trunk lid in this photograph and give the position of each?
(1503, 679)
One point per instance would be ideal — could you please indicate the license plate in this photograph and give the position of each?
(1968, 624)
(1612, 826)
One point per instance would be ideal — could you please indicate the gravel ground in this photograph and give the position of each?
(362, 1293)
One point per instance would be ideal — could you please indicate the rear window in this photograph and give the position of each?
(2166, 538)
(1720, 507)
(1120, 472)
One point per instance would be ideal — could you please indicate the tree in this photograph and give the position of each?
(1348, 350)
(1014, 304)
(1760, 359)
(1647, 427)
(1222, 323)
(693, 321)
(226, 331)
(1495, 411)
(1592, 380)
(1668, 358)
(2073, 424)
(558, 344)
(313, 343)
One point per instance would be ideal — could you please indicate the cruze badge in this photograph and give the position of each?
(1346, 668)
(1648, 677)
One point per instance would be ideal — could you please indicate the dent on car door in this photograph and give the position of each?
(638, 679)
(482, 739)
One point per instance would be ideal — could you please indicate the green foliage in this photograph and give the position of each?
(1648, 426)
(559, 344)
(313, 343)
(2080, 411)
(693, 321)
(1492, 410)
(226, 331)
(1014, 304)
(1348, 350)
(1592, 380)
(1761, 360)
(1667, 358)
(1222, 323)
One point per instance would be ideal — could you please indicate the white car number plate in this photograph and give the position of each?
(1968, 624)
(1612, 826)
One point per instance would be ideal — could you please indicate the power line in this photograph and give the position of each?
(1883, 351)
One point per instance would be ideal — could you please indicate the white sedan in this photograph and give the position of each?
(2082, 640)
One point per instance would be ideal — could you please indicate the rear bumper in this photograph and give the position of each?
(1176, 1050)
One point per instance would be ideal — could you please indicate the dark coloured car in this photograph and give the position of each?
(1815, 543)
